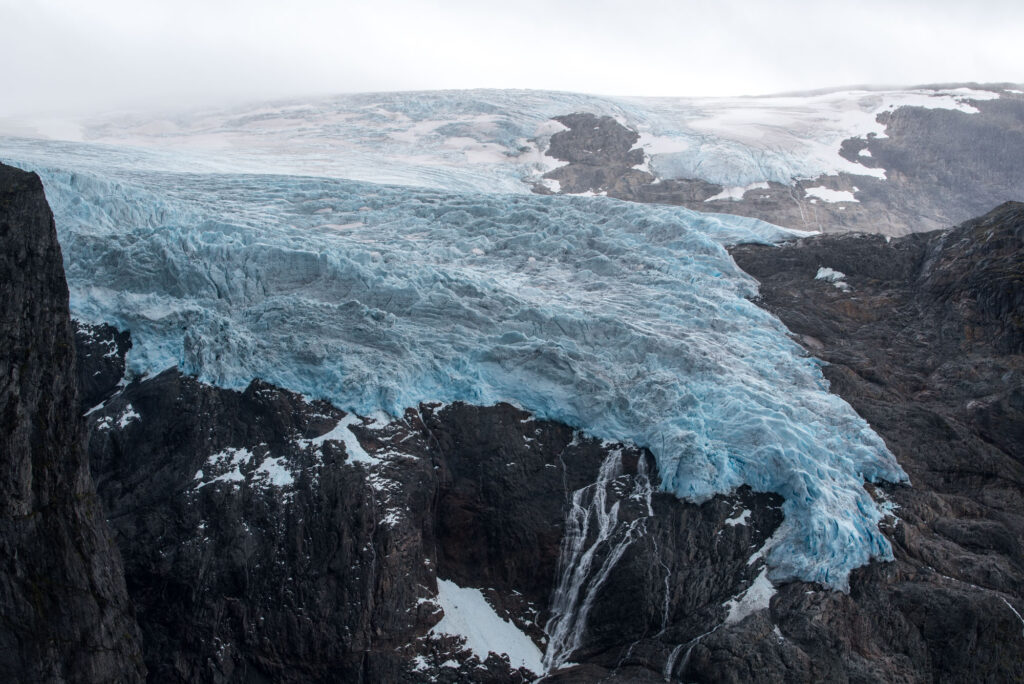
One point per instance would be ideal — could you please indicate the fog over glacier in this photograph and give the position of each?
(75, 57)
(628, 321)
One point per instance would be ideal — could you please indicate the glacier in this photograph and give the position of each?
(628, 321)
(494, 140)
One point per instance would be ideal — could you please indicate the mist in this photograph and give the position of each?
(66, 57)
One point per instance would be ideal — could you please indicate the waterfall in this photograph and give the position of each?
(670, 664)
(593, 543)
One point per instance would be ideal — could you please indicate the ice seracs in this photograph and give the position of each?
(629, 321)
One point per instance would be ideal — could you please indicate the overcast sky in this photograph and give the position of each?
(78, 56)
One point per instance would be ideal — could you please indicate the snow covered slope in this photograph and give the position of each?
(494, 140)
(630, 321)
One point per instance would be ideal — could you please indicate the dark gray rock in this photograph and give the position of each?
(600, 155)
(926, 344)
(66, 614)
(102, 349)
(333, 574)
(942, 167)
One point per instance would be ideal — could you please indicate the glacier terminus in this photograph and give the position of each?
(628, 321)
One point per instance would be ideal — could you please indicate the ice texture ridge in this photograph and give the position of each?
(629, 321)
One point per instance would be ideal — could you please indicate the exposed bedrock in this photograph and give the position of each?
(259, 545)
(923, 336)
(65, 612)
(600, 156)
(941, 166)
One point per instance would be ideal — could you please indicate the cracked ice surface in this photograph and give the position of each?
(629, 321)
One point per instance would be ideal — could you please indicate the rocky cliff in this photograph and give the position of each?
(268, 538)
(66, 614)
(922, 335)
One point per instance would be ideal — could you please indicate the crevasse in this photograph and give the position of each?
(629, 321)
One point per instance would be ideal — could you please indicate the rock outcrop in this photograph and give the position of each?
(600, 156)
(269, 538)
(66, 614)
(922, 335)
(941, 167)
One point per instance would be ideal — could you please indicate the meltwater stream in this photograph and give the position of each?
(628, 321)
(594, 541)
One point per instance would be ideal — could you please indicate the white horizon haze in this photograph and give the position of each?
(71, 58)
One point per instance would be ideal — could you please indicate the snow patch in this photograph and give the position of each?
(275, 471)
(756, 597)
(231, 461)
(736, 193)
(392, 518)
(127, 415)
(830, 195)
(551, 184)
(468, 615)
(742, 518)
(662, 144)
(95, 408)
(342, 432)
(829, 274)
(837, 278)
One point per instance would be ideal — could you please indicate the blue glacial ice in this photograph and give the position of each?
(629, 321)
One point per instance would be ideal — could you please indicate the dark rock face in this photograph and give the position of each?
(261, 546)
(254, 581)
(105, 347)
(942, 167)
(66, 615)
(948, 166)
(925, 342)
(600, 155)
